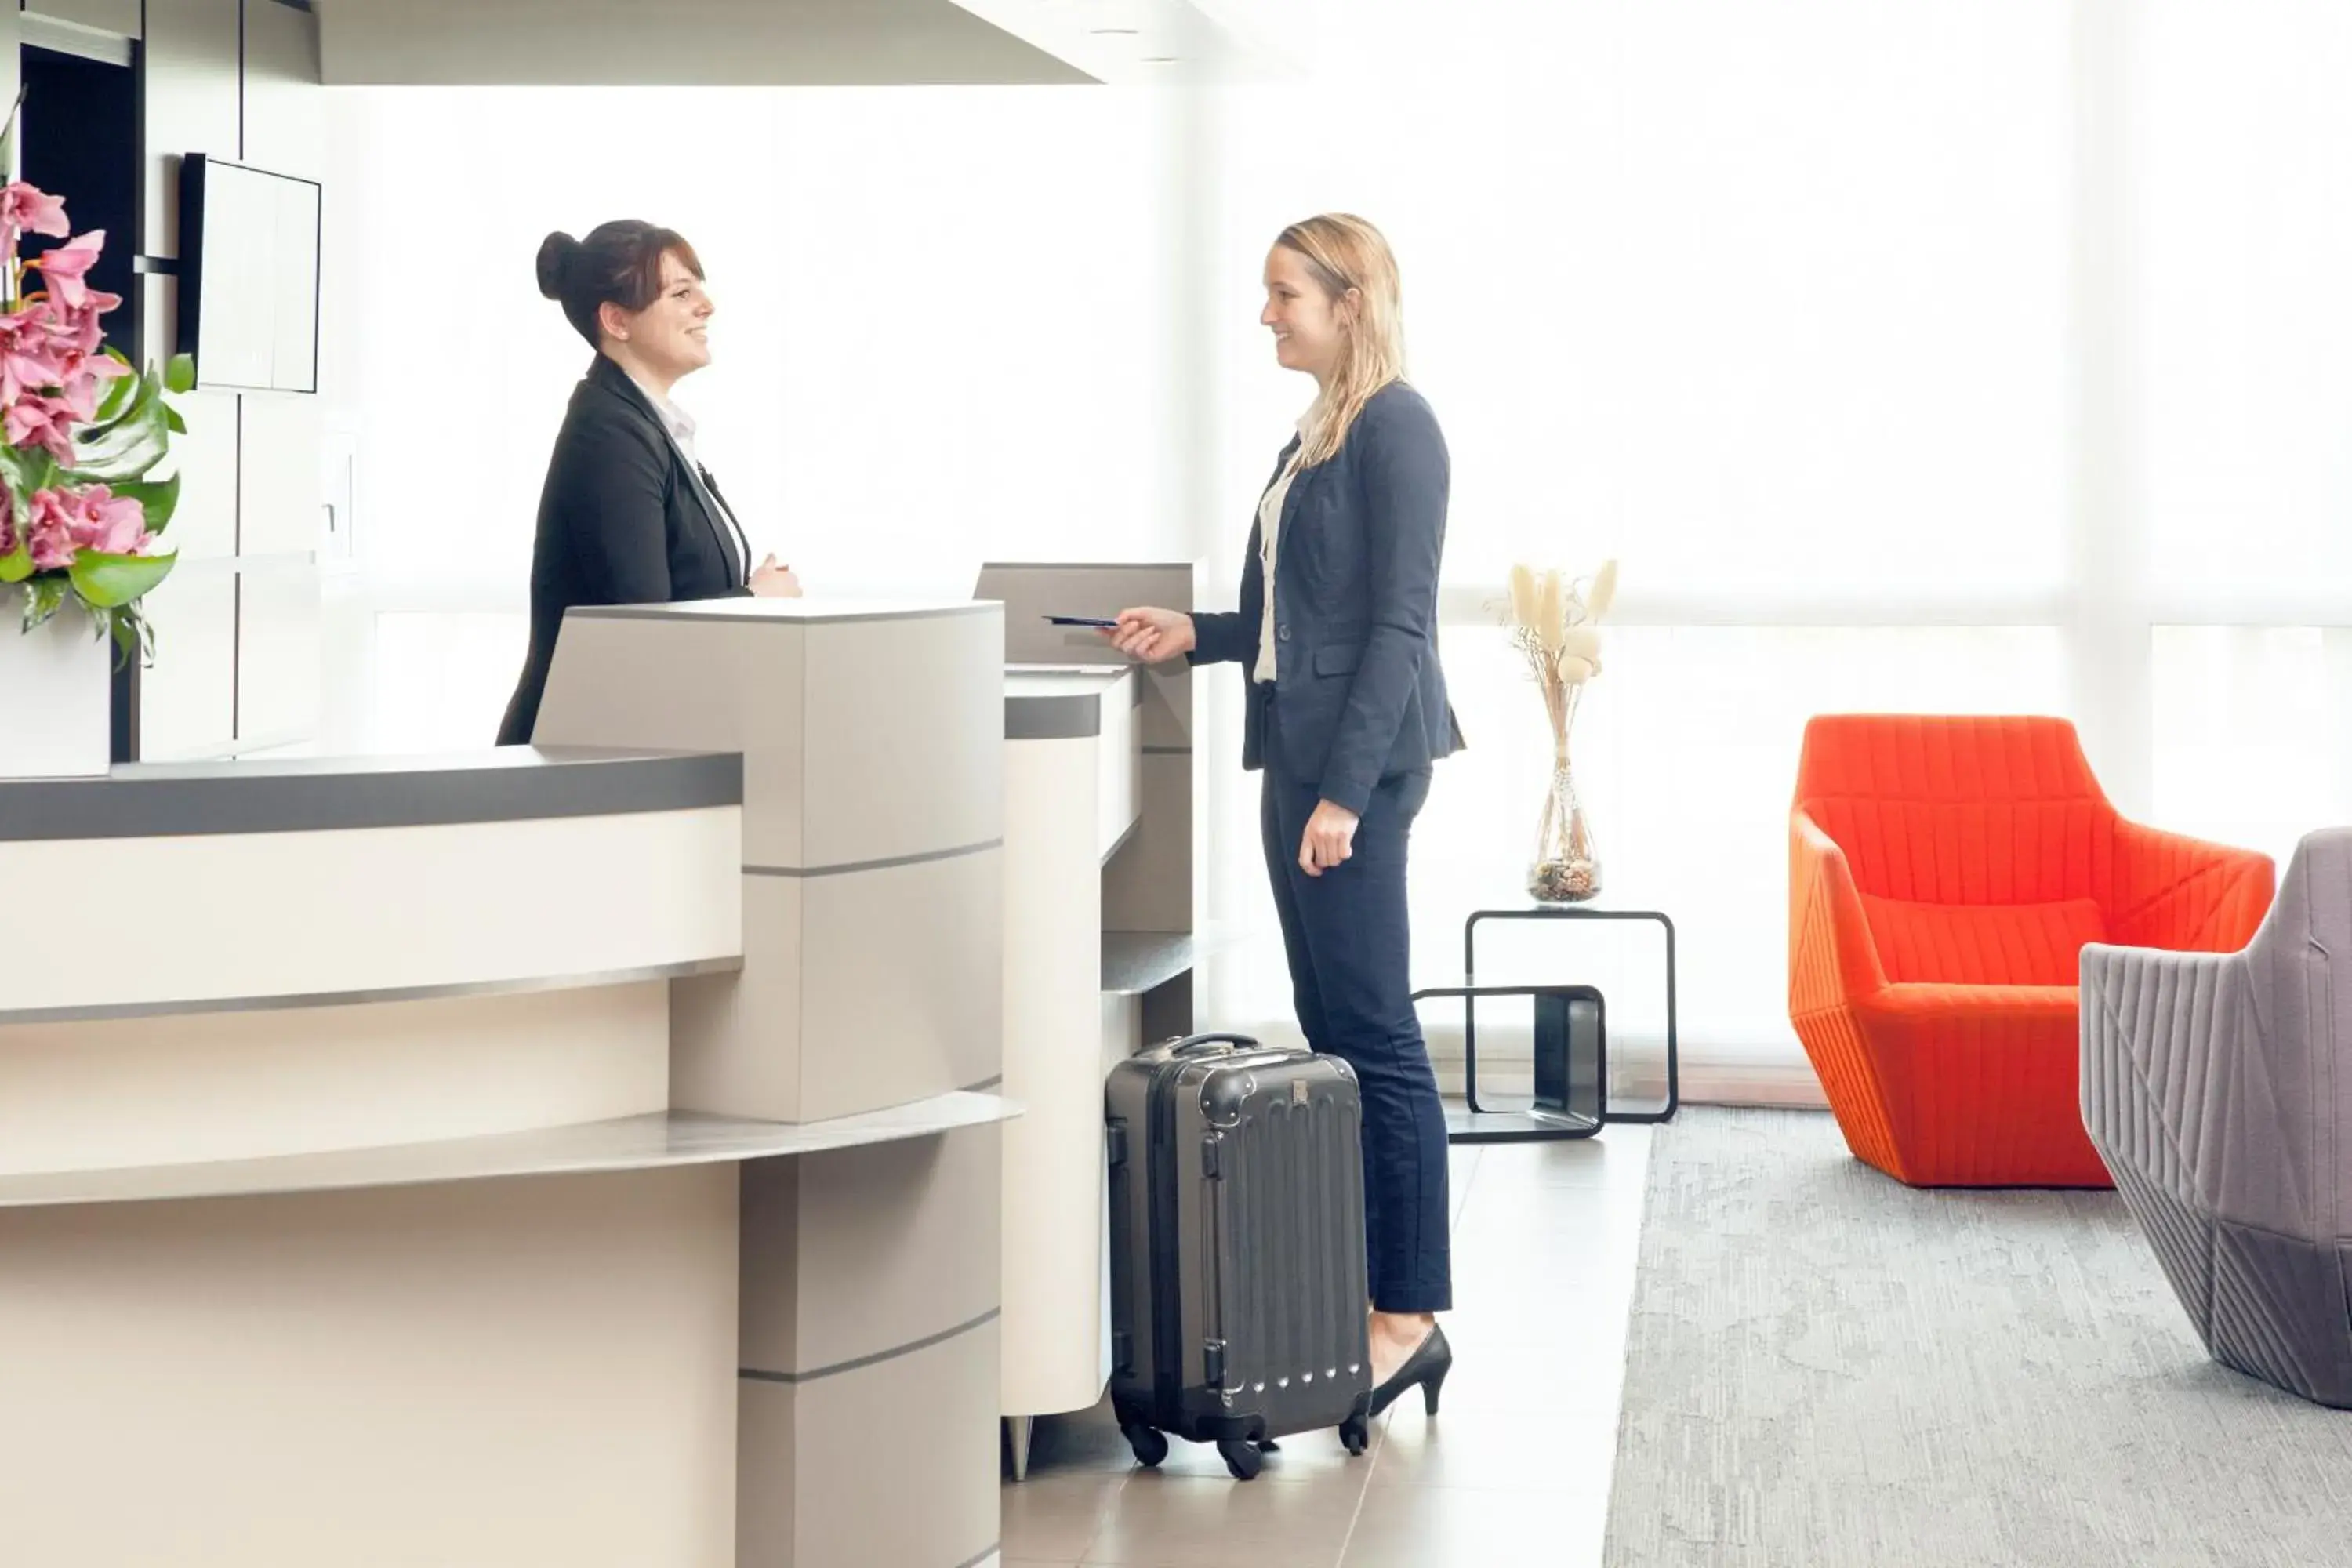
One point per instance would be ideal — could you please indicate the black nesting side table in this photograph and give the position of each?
(1480, 1123)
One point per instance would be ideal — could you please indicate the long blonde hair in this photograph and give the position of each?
(1344, 252)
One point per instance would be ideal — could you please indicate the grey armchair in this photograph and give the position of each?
(2218, 1088)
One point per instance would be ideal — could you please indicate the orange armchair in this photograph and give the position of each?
(1944, 875)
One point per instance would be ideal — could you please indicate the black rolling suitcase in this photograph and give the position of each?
(1236, 1247)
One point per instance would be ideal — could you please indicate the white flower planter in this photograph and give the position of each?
(55, 696)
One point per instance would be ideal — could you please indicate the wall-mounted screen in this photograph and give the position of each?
(248, 276)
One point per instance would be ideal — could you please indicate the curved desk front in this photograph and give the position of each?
(411, 1161)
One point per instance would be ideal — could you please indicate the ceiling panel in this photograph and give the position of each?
(792, 43)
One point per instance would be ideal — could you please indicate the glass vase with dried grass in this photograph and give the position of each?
(1553, 626)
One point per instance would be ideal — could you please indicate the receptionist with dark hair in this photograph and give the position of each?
(628, 514)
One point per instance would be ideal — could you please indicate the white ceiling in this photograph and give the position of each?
(795, 43)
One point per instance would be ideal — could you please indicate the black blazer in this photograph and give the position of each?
(1357, 689)
(621, 521)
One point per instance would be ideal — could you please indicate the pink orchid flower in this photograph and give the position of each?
(65, 267)
(66, 522)
(7, 522)
(39, 420)
(78, 395)
(79, 326)
(83, 379)
(116, 525)
(43, 346)
(50, 531)
(24, 210)
(27, 368)
(43, 319)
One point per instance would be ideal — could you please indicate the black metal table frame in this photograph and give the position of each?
(1571, 912)
(1538, 1124)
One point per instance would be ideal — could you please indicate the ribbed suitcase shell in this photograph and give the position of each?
(1236, 1240)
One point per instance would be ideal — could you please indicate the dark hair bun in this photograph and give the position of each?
(555, 254)
(620, 263)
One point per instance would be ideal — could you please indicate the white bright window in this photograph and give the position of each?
(1772, 302)
(1971, 355)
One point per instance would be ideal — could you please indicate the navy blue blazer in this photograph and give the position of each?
(1358, 691)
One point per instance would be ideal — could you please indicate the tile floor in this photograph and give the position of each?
(1516, 1470)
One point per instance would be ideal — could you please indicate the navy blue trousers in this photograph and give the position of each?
(1349, 943)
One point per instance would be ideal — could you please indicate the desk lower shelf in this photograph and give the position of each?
(1135, 962)
(628, 1143)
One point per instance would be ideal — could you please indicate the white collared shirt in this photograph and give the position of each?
(680, 426)
(1269, 528)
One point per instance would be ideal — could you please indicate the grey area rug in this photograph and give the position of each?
(1827, 1370)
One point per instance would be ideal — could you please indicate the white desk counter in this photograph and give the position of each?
(586, 1155)
(1071, 784)
(1099, 946)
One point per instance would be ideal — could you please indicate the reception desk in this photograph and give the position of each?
(1098, 899)
(586, 1154)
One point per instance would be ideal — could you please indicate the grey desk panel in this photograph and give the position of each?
(1033, 590)
(1059, 702)
(650, 1141)
(308, 794)
(1030, 590)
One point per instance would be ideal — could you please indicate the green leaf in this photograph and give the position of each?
(147, 390)
(109, 581)
(171, 420)
(158, 500)
(130, 446)
(8, 138)
(119, 395)
(27, 469)
(43, 598)
(126, 626)
(179, 373)
(18, 564)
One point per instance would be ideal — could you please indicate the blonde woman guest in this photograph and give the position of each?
(628, 514)
(1346, 712)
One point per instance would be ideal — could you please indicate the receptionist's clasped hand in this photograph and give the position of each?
(774, 582)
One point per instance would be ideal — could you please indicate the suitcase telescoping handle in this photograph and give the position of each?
(1210, 1044)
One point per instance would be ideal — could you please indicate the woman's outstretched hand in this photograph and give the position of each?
(774, 582)
(1330, 838)
(1152, 635)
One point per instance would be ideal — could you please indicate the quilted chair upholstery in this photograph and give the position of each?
(1945, 875)
(2219, 1088)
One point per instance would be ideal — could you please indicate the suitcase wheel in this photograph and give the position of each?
(1150, 1444)
(1242, 1457)
(1356, 1433)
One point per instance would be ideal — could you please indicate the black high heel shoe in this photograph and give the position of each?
(1427, 1366)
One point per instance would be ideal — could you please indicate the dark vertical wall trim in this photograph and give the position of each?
(143, 243)
(81, 137)
(129, 697)
(124, 726)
